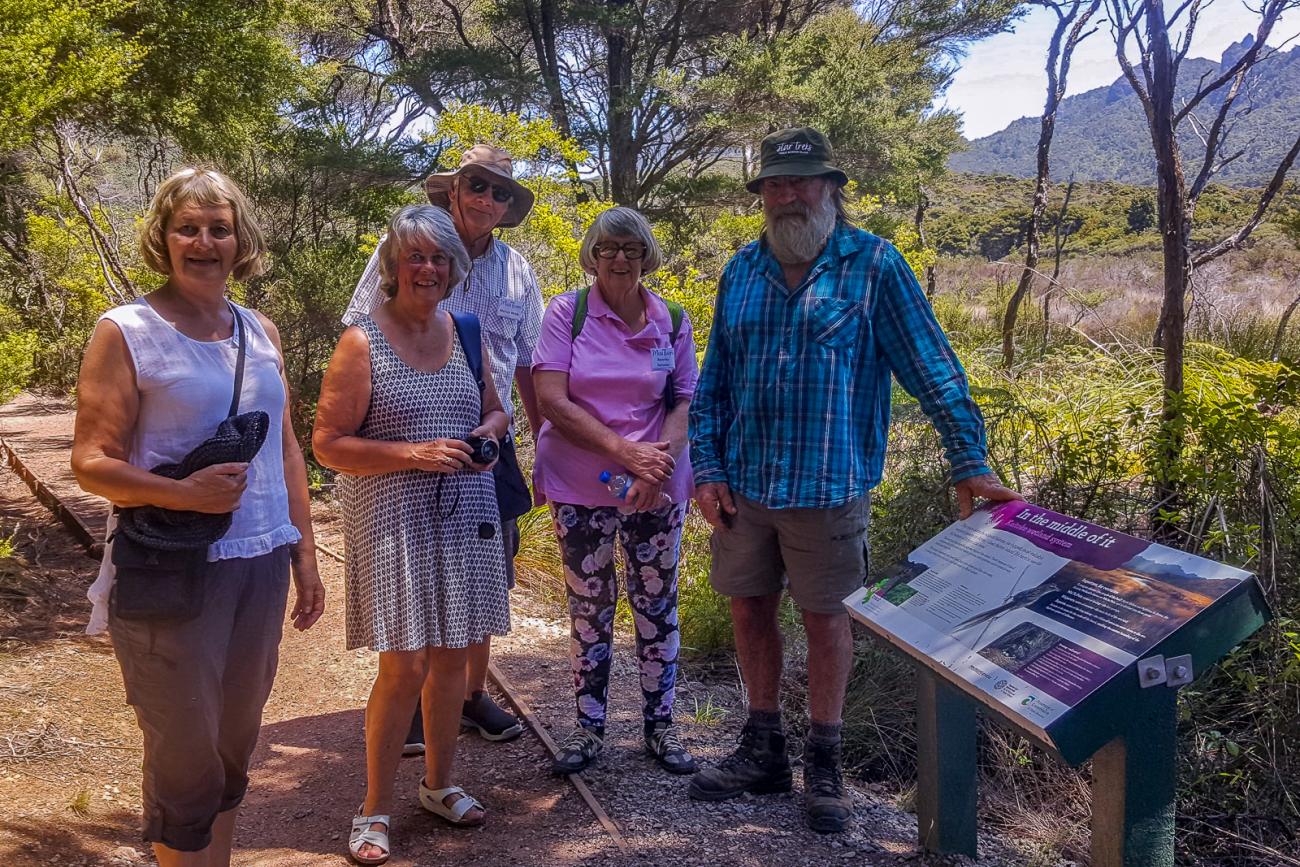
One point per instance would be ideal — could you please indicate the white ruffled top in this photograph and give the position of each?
(185, 387)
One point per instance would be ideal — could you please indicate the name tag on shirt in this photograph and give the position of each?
(510, 310)
(661, 358)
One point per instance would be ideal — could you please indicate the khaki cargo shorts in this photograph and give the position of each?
(819, 554)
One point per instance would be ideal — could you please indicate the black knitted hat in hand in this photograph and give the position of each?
(237, 440)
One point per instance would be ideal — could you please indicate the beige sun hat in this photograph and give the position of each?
(495, 162)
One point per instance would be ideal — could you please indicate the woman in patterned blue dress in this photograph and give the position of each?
(425, 569)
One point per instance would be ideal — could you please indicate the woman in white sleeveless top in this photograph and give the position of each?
(156, 380)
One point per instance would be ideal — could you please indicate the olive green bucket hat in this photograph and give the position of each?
(800, 152)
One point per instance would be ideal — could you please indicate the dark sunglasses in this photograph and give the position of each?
(500, 195)
(608, 250)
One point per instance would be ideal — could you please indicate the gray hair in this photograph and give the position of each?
(840, 201)
(620, 222)
(416, 224)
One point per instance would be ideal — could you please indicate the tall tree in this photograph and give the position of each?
(1072, 19)
(656, 89)
(1143, 29)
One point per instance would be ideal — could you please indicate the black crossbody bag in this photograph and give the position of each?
(166, 585)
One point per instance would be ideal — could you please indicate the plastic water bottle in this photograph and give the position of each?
(620, 484)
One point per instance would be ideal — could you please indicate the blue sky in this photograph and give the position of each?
(1002, 77)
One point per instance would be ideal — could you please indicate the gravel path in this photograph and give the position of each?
(74, 792)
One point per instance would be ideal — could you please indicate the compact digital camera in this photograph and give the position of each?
(485, 449)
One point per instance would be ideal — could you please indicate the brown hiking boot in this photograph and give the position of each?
(759, 766)
(826, 804)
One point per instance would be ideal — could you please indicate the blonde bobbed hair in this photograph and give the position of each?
(204, 187)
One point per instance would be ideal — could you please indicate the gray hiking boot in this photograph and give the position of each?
(661, 741)
(579, 750)
(826, 804)
(759, 766)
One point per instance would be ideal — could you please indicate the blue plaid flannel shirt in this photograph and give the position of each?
(792, 405)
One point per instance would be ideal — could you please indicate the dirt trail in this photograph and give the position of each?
(69, 748)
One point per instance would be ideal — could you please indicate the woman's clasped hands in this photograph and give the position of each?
(651, 464)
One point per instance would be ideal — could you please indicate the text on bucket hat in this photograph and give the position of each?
(798, 152)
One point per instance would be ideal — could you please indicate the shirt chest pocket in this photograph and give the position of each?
(504, 323)
(834, 323)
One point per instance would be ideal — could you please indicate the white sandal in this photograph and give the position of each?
(362, 834)
(432, 800)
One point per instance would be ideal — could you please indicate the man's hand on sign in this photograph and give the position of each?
(985, 486)
(716, 504)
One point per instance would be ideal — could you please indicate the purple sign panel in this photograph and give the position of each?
(1067, 537)
(1055, 665)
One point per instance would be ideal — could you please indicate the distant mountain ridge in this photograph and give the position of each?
(1102, 135)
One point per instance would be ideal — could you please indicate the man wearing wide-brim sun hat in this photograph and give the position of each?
(482, 195)
(493, 165)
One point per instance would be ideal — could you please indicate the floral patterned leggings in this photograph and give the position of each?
(651, 542)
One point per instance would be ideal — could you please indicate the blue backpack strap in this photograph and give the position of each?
(471, 340)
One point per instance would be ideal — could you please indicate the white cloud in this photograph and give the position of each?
(1002, 77)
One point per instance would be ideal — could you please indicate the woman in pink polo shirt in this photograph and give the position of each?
(614, 372)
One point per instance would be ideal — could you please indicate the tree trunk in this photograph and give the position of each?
(1064, 38)
(1279, 336)
(1058, 244)
(922, 205)
(1171, 199)
(541, 23)
(622, 147)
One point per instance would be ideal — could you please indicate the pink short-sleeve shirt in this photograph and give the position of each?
(619, 379)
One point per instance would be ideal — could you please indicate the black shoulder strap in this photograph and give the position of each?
(471, 340)
(239, 360)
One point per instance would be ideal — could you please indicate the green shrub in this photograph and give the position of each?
(703, 615)
(17, 354)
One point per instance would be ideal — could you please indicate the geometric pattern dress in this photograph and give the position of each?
(424, 561)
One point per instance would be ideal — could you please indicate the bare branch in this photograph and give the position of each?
(119, 283)
(1238, 239)
(1193, 15)
(1124, 23)
(1271, 10)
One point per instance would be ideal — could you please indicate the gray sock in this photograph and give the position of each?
(765, 719)
(828, 734)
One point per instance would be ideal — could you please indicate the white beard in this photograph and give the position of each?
(799, 238)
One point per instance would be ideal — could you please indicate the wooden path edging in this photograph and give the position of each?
(70, 519)
(95, 547)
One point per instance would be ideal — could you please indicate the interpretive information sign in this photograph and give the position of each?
(1035, 609)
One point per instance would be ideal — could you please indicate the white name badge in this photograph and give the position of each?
(510, 309)
(661, 358)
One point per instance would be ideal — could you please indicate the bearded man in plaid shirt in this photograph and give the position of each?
(788, 427)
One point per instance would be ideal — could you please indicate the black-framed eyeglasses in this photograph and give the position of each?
(500, 194)
(632, 251)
